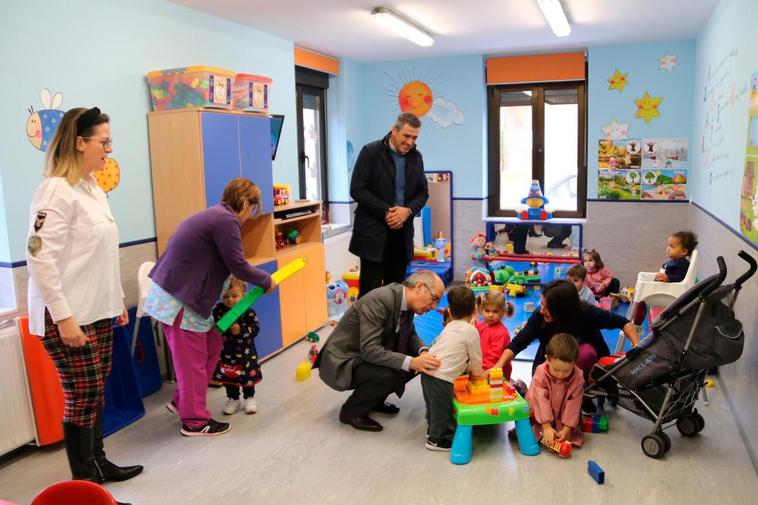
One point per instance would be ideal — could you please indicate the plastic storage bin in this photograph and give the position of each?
(178, 88)
(123, 399)
(145, 354)
(252, 92)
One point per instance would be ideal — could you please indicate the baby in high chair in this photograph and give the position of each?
(679, 248)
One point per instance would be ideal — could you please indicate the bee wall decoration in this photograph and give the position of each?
(41, 125)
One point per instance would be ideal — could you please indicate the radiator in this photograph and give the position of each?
(16, 420)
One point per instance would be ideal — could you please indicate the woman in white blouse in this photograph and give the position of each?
(75, 284)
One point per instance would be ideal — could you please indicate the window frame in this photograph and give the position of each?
(316, 83)
(538, 142)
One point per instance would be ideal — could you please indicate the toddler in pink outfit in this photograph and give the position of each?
(555, 394)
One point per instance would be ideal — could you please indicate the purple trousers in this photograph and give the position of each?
(195, 355)
(587, 358)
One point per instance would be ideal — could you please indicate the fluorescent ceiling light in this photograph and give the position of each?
(555, 16)
(401, 26)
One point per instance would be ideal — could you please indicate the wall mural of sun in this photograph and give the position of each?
(416, 97)
(414, 94)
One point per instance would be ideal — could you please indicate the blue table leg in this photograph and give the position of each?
(460, 453)
(526, 441)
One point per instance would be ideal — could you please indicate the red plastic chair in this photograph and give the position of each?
(74, 492)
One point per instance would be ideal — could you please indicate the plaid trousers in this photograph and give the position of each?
(82, 370)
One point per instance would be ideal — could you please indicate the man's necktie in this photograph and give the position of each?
(404, 331)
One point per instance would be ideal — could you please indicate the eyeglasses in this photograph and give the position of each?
(435, 298)
(106, 143)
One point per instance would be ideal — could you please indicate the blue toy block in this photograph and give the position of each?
(596, 472)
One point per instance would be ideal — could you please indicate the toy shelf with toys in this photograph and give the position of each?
(194, 153)
(433, 238)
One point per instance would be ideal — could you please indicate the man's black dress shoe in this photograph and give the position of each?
(359, 423)
(386, 408)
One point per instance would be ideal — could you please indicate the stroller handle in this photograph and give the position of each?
(717, 281)
(753, 267)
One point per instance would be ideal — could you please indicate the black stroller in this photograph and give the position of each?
(661, 377)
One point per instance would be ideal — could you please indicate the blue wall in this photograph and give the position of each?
(640, 61)
(345, 110)
(459, 147)
(96, 52)
(726, 50)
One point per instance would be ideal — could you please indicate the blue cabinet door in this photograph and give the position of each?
(221, 156)
(255, 153)
(267, 308)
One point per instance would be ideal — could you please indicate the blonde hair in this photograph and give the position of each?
(241, 190)
(495, 299)
(235, 283)
(62, 158)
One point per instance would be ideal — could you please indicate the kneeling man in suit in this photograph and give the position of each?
(374, 350)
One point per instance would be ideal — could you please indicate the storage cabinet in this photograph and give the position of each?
(194, 154)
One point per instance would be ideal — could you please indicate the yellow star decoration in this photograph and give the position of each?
(647, 107)
(617, 81)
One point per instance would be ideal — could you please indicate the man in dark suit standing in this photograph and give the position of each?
(390, 188)
(374, 349)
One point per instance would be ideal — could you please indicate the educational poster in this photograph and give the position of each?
(619, 184)
(749, 192)
(619, 154)
(664, 153)
(664, 184)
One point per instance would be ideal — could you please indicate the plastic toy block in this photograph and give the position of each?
(496, 373)
(477, 385)
(312, 337)
(597, 473)
(303, 371)
(594, 424)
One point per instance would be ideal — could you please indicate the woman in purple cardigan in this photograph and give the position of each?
(187, 281)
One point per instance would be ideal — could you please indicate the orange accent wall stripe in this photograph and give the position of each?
(536, 68)
(309, 59)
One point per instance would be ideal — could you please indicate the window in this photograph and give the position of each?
(537, 132)
(311, 89)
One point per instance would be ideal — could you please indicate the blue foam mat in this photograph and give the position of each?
(429, 325)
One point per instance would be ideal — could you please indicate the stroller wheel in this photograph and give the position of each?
(666, 440)
(654, 445)
(689, 425)
(699, 421)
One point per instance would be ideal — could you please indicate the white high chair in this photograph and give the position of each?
(143, 288)
(658, 294)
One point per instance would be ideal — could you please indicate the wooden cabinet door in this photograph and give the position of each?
(255, 154)
(315, 288)
(221, 155)
(292, 301)
(269, 339)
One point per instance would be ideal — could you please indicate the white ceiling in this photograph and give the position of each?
(343, 28)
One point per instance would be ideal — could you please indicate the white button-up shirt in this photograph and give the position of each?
(72, 255)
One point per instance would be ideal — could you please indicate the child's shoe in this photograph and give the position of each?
(231, 406)
(171, 407)
(442, 445)
(211, 429)
(251, 406)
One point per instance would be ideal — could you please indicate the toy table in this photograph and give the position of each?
(468, 415)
